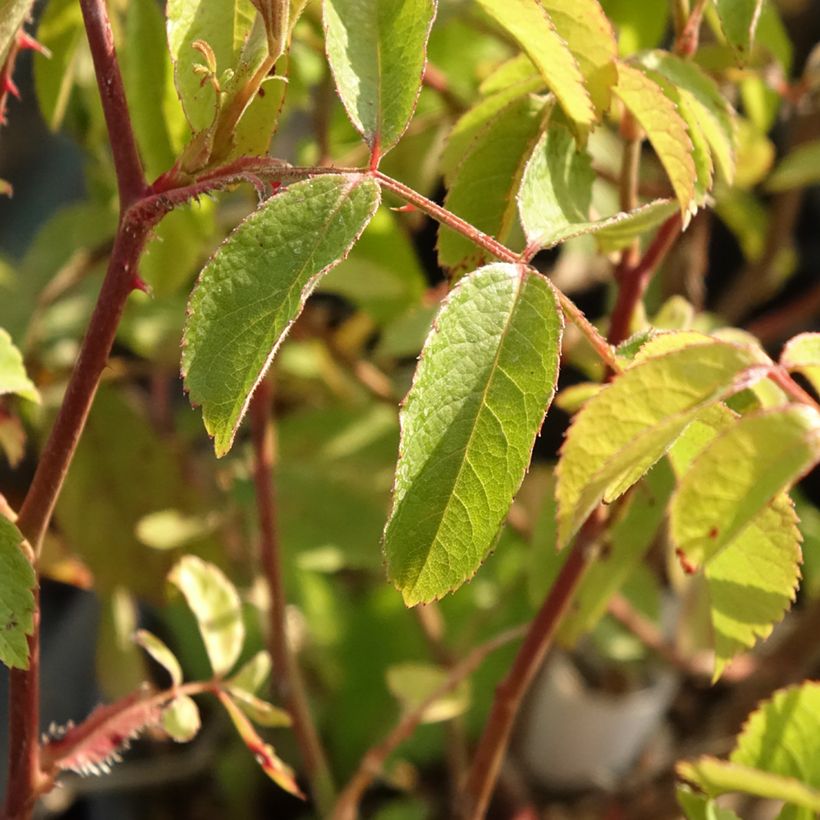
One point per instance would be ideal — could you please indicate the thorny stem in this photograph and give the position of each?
(287, 677)
(492, 746)
(372, 763)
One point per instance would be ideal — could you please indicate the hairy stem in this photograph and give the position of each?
(347, 807)
(287, 677)
(492, 746)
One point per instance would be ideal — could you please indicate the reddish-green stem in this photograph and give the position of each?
(287, 677)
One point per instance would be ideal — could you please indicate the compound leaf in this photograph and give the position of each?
(485, 380)
(255, 286)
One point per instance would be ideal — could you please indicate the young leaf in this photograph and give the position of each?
(255, 286)
(623, 430)
(160, 653)
(16, 598)
(412, 683)
(13, 378)
(377, 50)
(737, 474)
(483, 188)
(664, 127)
(802, 355)
(180, 719)
(276, 769)
(259, 711)
(616, 232)
(528, 22)
(799, 168)
(699, 807)
(215, 603)
(252, 674)
(738, 19)
(485, 380)
(586, 30)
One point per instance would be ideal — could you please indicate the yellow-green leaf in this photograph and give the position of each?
(180, 719)
(802, 355)
(13, 378)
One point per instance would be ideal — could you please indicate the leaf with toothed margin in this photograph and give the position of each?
(16, 597)
(377, 51)
(529, 23)
(255, 286)
(180, 719)
(216, 606)
(626, 427)
(664, 127)
(802, 355)
(483, 384)
(276, 769)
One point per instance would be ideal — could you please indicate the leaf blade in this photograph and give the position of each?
(13, 377)
(16, 597)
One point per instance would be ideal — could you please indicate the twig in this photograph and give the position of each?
(288, 681)
(492, 747)
(373, 761)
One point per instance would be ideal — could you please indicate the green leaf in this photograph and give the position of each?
(712, 114)
(799, 168)
(699, 807)
(224, 25)
(529, 24)
(483, 189)
(624, 429)
(16, 597)
(255, 286)
(412, 683)
(259, 711)
(13, 378)
(264, 754)
(215, 603)
(377, 50)
(13, 13)
(253, 673)
(664, 127)
(616, 232)
(737, 474)
(738, 19)
(172, 529)
(160, 653)
(180, 719)
(802, 355)
(468, 426)
(628, 540)
(639, 25)
(584, 27)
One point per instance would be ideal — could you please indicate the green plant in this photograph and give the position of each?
(533, 97)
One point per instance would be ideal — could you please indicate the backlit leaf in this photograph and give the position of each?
(215, 603)
(255, 286)
(13, 378)
(802, 355)
(738, 19)
(377, 51)
(798, 168)
(664, 127)
(160, 653)
(16, 598)
(413, 683)
(485, 380)
(483, 188)
(528, 22)
(624, 429)
(180, 719)
(737, 474)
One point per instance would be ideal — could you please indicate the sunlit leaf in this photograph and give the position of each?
(738, 19)
(666, 131)
(469, 425)
(377, 51)
(413, 683)
(802, 355)
(528, 22)
(255, 286)
(16, 598)
(483, 188)
(737, 474)
(215, 603)
(624, 429)
(180, 719)
(160, 653)
(13, 378)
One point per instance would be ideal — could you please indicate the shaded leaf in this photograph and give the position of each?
(377, 51)
(468, 426)
(16, 597)
(528, 22)
(802, 355)
(13, 378)
(255, 286)
(639, 25)
(215, 603)
(160, 653)
(180, 719)
(482, 190)
(738, 19)
(412, 683)
(799, 168)
(664, 127)
(625, 428)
